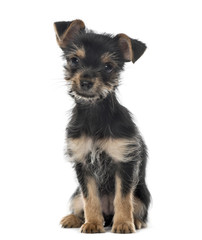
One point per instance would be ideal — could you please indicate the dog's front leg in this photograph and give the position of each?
(125, 182)
(92, 207)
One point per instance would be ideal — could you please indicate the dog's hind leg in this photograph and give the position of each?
(139, 211)
(76, 218)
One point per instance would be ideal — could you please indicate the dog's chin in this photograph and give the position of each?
(80, 97)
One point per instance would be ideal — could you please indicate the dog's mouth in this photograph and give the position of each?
(92, 95)
(84, 98)
(86, 95)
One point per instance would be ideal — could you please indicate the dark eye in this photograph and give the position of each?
(108, 67)
(74, 61)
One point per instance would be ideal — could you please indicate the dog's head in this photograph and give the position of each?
(94, 61)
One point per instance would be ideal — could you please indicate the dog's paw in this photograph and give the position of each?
(71, 221)
(123, 227)
(139, 224)
(92, 228)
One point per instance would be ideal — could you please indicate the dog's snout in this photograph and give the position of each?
(86, 75)
(86, 85)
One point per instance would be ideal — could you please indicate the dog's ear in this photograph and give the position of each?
(66, 31)
(131, 49)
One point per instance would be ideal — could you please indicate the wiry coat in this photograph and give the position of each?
(103, 142)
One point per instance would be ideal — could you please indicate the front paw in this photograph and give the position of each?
(92, 228)
(123, 227)
(71, 221)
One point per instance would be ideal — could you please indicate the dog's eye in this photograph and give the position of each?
(74, 61)
(108, 67)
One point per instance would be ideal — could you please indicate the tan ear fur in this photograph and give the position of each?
(126, 47)
(132, 49)
(65, 31)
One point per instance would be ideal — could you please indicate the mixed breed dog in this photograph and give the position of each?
(104, 144)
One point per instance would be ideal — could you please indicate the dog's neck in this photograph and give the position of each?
(106, 118)
(107, 104)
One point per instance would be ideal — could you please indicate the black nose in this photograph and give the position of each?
(85, 84)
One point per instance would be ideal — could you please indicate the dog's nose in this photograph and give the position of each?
(85, 84)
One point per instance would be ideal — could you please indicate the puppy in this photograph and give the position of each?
(104, 144)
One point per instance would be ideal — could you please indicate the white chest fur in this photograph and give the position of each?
(117, 148)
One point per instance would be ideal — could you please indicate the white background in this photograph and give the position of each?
(162, 90)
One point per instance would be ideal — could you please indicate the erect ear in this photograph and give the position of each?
(66, 31)
(131, 49)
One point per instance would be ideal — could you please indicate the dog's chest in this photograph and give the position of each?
(85, 149)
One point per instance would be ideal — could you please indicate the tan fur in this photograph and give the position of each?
(77, 205)
(92, 228)
(115, 148)
(107, 204)
(128, 53)
(139, 208)
(108, 57)
(77, 52)
(92, 210)
(138, 211)
(80, 52)
(71, 221)
(139, 224)
(123, 206)
(102, 88)
(74, 27)
(98, 86)
(80, 147)
(76, 80)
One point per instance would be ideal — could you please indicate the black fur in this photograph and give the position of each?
(62, 26)
(103, 117)
(106, 118)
